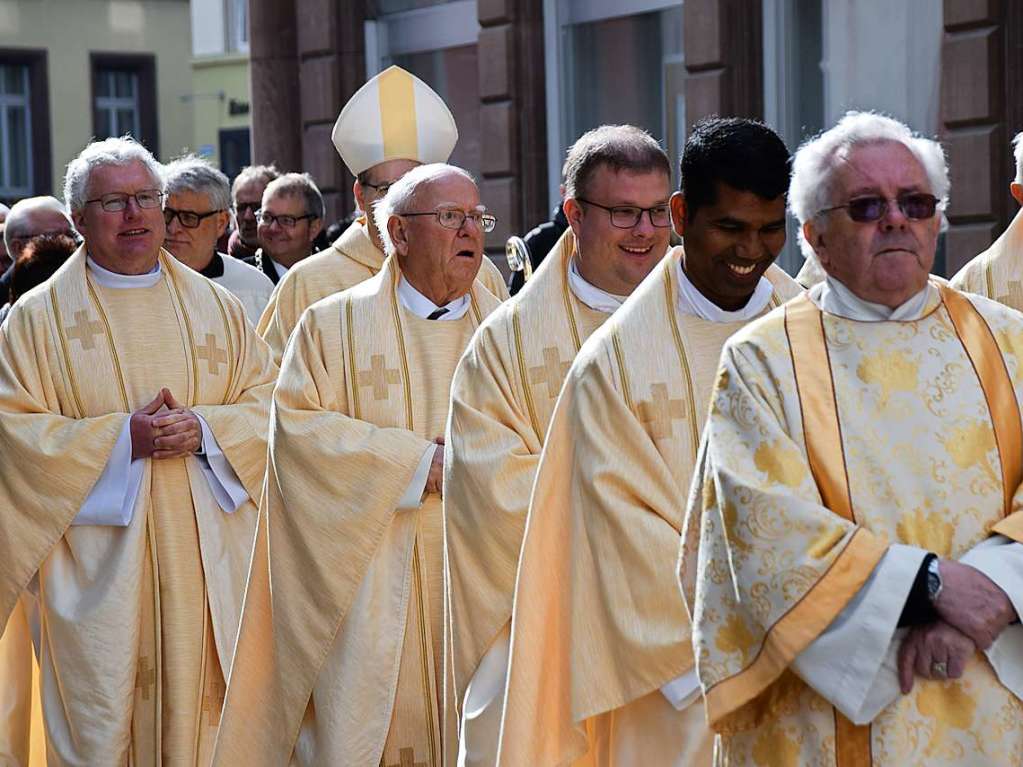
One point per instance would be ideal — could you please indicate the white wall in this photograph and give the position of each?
(208, 27)
(885, 56)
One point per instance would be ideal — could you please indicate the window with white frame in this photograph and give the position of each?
(117, 105)
(436, 40)
(15, 131)
(612, 61)
(237, 18)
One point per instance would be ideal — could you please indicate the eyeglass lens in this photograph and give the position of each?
(914, 206)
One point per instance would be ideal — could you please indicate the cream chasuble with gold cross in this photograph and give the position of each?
(599, 627)
(502, 398)
(343, 665)
(351, 259)
(836, 443)
(997, 272)
(137, 622)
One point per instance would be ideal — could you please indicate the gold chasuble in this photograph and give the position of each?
(137, 622)
(343, 666)
(828, 440)
(352, 259)
(997, 272)
(599, 625)
(502, 398)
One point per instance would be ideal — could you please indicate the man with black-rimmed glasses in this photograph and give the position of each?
(197, 211)
(289, 219)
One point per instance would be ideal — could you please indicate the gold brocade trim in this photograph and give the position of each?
(409, 423)
(567, 298)
(989, 364)
(203, 670)
(157, 628)
(72, 380)
(176, 294)
(521, 357)
(989, 278)
(822, 432)
(797, 628)
(477, 315)
(230, 345)
(356, 409)
(620, 359)
(424, 648)
(852, 743)
(110, 342)
(669, 297)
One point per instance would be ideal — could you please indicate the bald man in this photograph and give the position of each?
(29, 218)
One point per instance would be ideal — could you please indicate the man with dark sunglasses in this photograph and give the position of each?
(998, 272)
(197, 211)
(850, 555)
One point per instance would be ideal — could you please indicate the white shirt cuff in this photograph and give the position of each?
(1001, 560)
(111, 501)
(850, 664)
(682, 691)
(413, 497)
(222, 479)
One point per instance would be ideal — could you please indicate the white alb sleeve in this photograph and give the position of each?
(853, 664)
(413, 497)
(1001, 560)
(222, 479)
(112, 499)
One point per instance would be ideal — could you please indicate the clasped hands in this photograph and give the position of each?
(972, 612)
(164, 429)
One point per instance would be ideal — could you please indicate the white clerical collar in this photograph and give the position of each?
(423, 307)
(835, 298)
(281, 269)
(595, 298)
(109, 279)
(692, 302)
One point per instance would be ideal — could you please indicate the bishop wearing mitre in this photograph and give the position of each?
(392, 124)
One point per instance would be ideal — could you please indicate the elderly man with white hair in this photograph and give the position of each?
(134, 397)
(998, 272)
(354, 501)
(850, 554)
(197, 212)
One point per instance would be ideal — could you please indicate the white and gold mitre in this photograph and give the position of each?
(394, 116)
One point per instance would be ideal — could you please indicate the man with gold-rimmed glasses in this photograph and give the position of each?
(392, 124)
(133, 403)
(197, 212)
(345, 656)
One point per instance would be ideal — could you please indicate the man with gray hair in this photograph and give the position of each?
(246, 197)
(5, 259)
(354, 500)
(850, 555)
(197, 211)
(134, 396)
(998, 272)
(290, 218)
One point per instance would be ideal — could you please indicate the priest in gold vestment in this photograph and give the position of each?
(502, 397)
(392, 124)
(601, 671)
(341, 665)
(850, 555)
(998, 272)
(134, 398)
